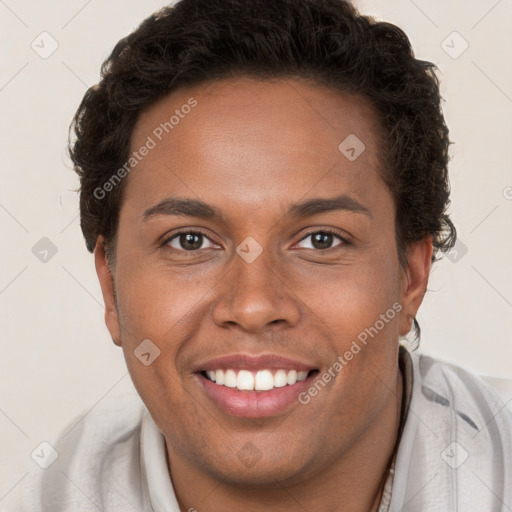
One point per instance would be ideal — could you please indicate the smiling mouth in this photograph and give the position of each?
(260, 380)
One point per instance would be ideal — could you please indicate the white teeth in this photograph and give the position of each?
(245, 380)
(280, 379)
(301, 376)
(262, 380)
(291, 378)
(230, 379)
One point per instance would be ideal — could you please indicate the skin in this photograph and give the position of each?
(252, 149)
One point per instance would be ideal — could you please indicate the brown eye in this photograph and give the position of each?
(321, 240)
(188, 241)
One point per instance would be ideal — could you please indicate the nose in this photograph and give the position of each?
(255, 297)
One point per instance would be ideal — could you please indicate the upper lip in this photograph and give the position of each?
(254, 362)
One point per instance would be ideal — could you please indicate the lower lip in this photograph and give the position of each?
(254, 404)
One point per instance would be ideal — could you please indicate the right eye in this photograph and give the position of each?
(188, 241)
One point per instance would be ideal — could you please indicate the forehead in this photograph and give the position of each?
(245, 142)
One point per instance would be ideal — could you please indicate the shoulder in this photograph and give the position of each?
(97, 464)
(455, 387)
(502, 387)
(456, 446)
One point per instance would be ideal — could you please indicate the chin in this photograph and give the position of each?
(247, 468)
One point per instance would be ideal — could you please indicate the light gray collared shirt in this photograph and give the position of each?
(454, 453)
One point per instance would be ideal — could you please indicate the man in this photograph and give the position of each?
(264, 187)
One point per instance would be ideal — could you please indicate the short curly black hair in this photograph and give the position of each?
(325, 41)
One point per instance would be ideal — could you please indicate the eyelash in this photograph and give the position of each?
(326, 231)
(199, 232)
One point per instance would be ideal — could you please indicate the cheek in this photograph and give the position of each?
(155, 320)
(360, 309)
(158, 302)
(352, 298)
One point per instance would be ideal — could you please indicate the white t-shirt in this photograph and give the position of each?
(455, 454)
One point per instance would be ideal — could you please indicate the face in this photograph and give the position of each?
(252, 250)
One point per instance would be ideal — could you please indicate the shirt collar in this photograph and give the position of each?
(158, 486)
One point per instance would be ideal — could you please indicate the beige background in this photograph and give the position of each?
(57, 360)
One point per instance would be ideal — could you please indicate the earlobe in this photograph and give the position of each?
(108, 291)
(414, 281)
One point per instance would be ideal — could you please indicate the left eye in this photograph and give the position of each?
(321, 240)
(188, 241)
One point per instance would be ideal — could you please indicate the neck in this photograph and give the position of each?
(354, 483)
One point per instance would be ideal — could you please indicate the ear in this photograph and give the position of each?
(107, 289)
(414, 281)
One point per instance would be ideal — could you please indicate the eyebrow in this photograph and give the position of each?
(198, 208)
(321, 205)
(178, 206)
